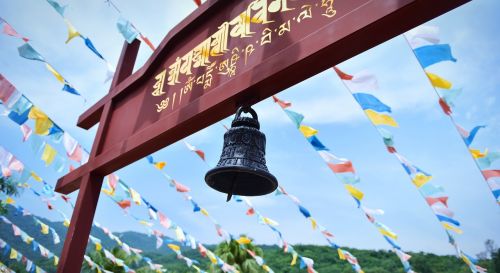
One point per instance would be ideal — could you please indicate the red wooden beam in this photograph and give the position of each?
(90, 182)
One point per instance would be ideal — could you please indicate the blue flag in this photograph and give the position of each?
(68, 88)
(58, 7)
(91, 46)
(295, 117)
(368, 101)
(28, 52)
(468, 140)
(127, 30)
(431, 54)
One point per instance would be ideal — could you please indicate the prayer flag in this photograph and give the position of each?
(55, 73)
(423, 35)
(127, 30)
(72, 32)
(58, 7)
(307, 131)
(295, 117)
(344, 167)
(380, 119)
(431, 54)
(91, 46)
(318, 146)
(6, 89)
(357, 194)
(49, 154)
(283, 104)
(42, 121)
(438, 82)
(368, 101)
(28, 52)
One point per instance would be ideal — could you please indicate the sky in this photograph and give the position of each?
(425, 135)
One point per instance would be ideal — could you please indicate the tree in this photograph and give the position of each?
(99, 258)
(237, 255)
(9, 188)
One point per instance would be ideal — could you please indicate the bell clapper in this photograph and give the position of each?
(230, 193)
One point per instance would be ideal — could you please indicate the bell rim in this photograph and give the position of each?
(269, 176)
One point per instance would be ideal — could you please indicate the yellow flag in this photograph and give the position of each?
(28, 240)
(354, 192)
(45, 228)
(307, 131)
(38, 270)
(135, 196)
(160, 165)
(9, 200)
(294, 259)
(36, 177)
(313, 223)
(420, 179)
(204, 211)
(450, 227)
(270, 221)
(55, 73)
(99, 270)
(265, 267)
(341, 254)
(13, 254)
(110, 192)
(380, 119)
(478, 154)
(244, 240)
(174, 247)
(72, 32)
(66, 223)
(42, 121)
(56, 260)
(437, 81)
(49, 154)
(388, 233)
(98, 246)
(211, 256)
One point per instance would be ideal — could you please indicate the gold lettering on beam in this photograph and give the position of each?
(158, 86)
(174, 71)
(219, 40)
(329, 11)
(266, 36)
(241, 25)
(305, 13)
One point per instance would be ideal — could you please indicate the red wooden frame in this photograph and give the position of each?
(122, 138)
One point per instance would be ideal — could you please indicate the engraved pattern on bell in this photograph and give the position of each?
(242, 166)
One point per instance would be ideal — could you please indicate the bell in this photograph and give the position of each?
(242, 167)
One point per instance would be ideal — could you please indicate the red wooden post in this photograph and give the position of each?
(90, 187)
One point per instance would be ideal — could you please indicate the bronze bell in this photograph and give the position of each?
(242, 167)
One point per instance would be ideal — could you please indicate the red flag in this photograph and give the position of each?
(124, 204)
(432, 200)
(491, 173)
(345, 167)
(181, 188)
(164, 221)
(391, 149)
(446, 108)
(201, 154)
(65, 198)
(148, 42)
(342, 75)
(250, 211)
(283, 104)
(198, 2)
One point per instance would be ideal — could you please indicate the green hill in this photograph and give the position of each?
(326, 258)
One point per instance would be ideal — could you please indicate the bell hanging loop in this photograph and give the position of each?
(242, 168)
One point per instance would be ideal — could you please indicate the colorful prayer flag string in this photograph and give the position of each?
(263, 220)
(28, 52)
(343, 168)
(433, 194)
(18, 256)
(128, 30)
(49, 191)
(73, 32)
(429, 52)
(196, 207)
(77, 153)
